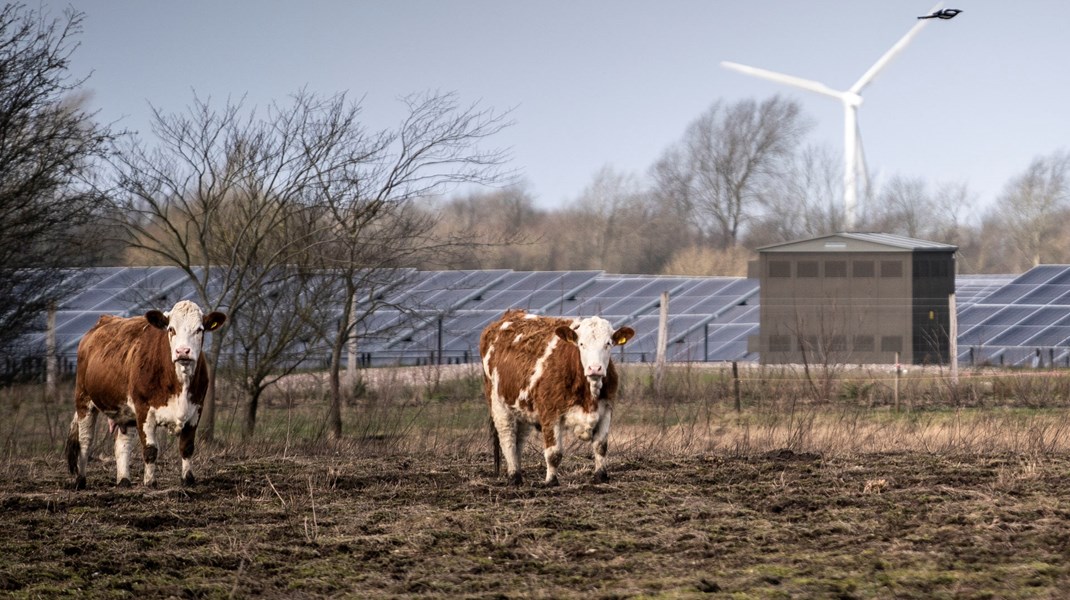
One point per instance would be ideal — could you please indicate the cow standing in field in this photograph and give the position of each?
(141, 372)
(550, 373)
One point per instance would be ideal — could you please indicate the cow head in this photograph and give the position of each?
(185, 325)
(595, 338)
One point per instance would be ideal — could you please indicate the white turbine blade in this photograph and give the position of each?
(883, 61)
(798, 82)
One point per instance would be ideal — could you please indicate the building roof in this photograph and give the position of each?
(859, 242)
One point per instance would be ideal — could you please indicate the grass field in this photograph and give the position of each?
(966, 495)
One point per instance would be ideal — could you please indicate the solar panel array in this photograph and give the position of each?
(1024, 322)
(1002, 319)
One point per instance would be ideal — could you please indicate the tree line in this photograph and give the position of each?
(299, 219)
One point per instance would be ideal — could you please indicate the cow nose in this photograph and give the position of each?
(182, 352)
(594, 370)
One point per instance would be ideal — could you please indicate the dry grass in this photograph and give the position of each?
(966, 494)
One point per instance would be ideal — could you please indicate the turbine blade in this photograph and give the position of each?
(791, 80)
(883, 61)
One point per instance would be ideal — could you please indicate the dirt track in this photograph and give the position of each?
(356, 523)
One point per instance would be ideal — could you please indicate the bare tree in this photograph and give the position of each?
(1030, 206)
(228, 198)
(505, 228)
(911, 207)
(369, 205)
(805, 202)
(50, 148)
(729, 159)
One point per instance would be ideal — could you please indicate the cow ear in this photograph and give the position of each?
(157, 319)
(622, 335)
(213, 320)
(566, 333)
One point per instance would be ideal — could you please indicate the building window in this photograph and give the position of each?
(838, 343)
(891, 268)
(862, 268)
(806, 268)
(863, 343)
(780, 343)
(779, 268)
(835, 268)
(892, 343)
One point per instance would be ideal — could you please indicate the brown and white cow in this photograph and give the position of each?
(141, 372)
(550, 373)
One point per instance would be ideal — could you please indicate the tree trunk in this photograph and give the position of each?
(334, 411)
(250, 415)
(206, 426)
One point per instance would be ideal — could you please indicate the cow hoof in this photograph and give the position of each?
(515, 479)
(601, 476)
(79, 483)
(151, 484)
(551, 482)
(123, 483)
(189, 480)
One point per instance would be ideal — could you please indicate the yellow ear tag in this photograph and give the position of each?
(621, 341)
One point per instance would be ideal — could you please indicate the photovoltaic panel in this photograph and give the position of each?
(1009, 293)
(1027, 313)
(1039, 274)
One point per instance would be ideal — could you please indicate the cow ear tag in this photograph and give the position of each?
(214, 320)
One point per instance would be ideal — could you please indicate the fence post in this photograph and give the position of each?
(735, 385)
(953, 339)
(895, 385)
(663, 340)
(51, 362)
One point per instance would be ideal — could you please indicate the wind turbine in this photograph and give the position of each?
(854, 162)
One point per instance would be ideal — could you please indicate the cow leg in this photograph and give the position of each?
(79, 440)
(600, 445)
(146, 429)
(185, 450)
(511, 433)
(124, 438)
(551, 442)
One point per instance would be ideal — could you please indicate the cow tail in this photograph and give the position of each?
(495, 445)
(73, 448)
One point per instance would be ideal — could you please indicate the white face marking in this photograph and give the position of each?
(185, 333)
(595, 341)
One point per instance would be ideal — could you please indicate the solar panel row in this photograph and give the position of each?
(1002, 319)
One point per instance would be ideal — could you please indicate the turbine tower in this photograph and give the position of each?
(854, 162)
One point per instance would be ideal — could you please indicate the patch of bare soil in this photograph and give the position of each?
(342, 522)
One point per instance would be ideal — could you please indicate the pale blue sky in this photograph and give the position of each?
(596, 83)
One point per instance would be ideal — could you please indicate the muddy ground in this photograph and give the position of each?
(356, 522)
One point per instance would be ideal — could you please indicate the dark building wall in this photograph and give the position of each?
(934, 282)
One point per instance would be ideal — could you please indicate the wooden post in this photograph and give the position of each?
(895, 385)
(663, 340)
(735, 386)
(953, 338)
(51, 359)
